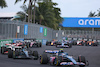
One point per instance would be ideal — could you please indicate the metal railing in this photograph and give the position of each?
(8, 30)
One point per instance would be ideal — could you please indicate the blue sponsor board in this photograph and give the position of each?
(25, 29)
(41, 29)
(14, 40)
(81, 22)
(44, 42)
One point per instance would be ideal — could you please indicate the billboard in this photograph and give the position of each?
(14, 40)
(45, 31)
(25, 29)
(7, 41)
(41, 29)
(81, 22)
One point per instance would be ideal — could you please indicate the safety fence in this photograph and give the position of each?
(18, 29)
(7, 41)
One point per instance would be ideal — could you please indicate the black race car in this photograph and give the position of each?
(22, 53)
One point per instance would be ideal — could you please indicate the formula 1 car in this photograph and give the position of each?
(64, 44)
(62, 58)
(24, 53)
(32, 43)
(91, 43)
(81, 43)
(20, 51)
(4, 49)
(51, 43)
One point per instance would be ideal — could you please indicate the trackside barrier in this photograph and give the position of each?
(44, 41)
(3, 42)
(14, 40)
(6, 41)
(40, 40)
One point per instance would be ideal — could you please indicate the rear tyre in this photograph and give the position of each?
(15, 53)
(10, 53)
(47, 43)
(82, 59)
(39, 45)
(35, 54)
(70, 45)
(3, 49)
(44, 59)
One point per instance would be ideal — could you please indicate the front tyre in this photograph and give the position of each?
(44, 59)
(10, 53)
(81, 59)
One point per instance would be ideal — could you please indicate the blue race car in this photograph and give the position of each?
(23, 53)
(64, 44)
(62, 58)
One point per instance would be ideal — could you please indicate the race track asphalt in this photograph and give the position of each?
(92, 54)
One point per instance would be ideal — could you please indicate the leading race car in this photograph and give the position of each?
(62, 58)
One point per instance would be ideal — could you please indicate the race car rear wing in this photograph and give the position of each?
(8, 44)
(51, 51)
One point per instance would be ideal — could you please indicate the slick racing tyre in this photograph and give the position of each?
(10, 53)
(81, 59)
(40, 44)
(58, 60)
(15, 53)
(3, 49)
(44, 59)
(35, 54)
(70, 45)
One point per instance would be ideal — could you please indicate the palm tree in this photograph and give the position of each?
(47, 14)
(98, 14)
(3, 3)
(23, 14)
(29, 9)
(92, 14)
(41, 18)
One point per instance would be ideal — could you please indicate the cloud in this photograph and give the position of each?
(69, 8)
(7, 14)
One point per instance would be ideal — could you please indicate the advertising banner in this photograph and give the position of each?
(44, 42)
(14, 40)
(81, 22)
(45, 31)
(3, 42)
(25, 29)
(41, 29)
(18, 29)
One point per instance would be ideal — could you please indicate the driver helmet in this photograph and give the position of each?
(64, 38)
(61, 50)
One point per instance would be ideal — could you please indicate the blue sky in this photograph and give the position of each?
(69, 8)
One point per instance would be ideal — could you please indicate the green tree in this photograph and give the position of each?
(23, 14)
(92, 14)
(98, 14)
(46, 14)
(29, 9)
(3, 3)
(49, 13)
